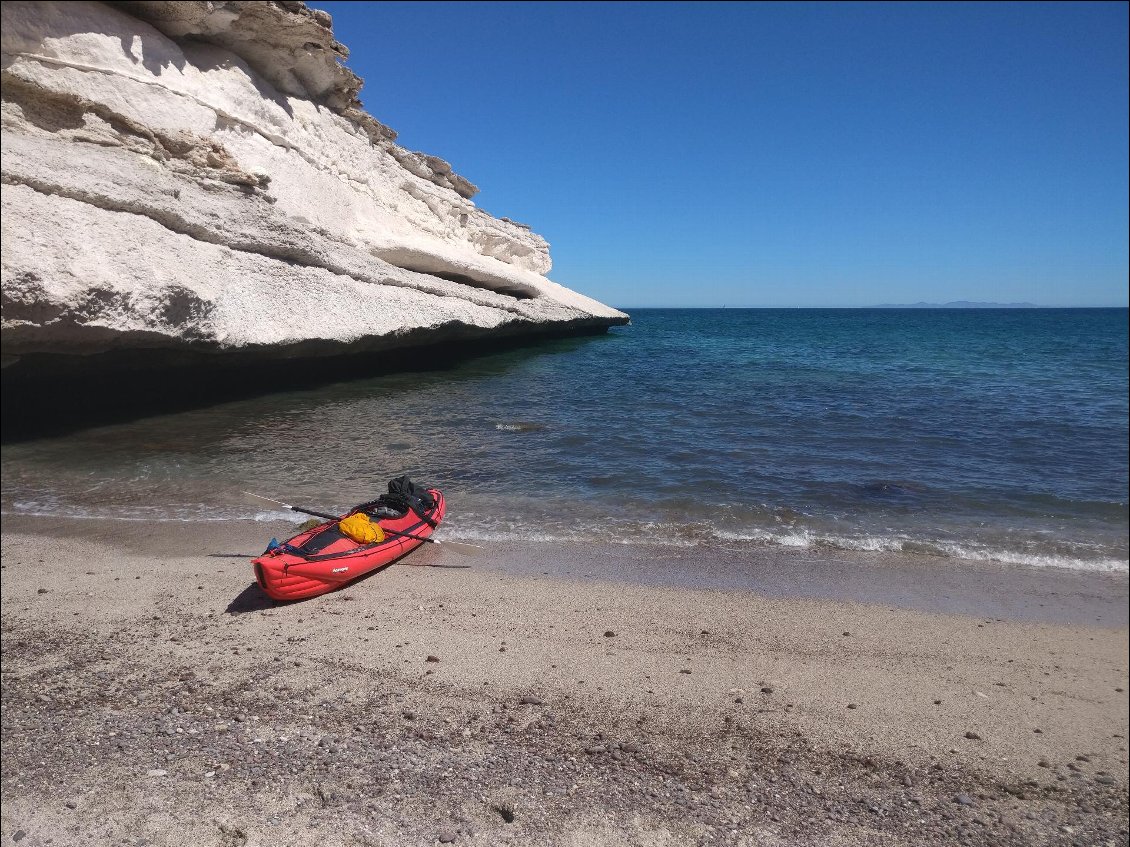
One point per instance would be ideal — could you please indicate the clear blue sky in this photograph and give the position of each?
(778, 154)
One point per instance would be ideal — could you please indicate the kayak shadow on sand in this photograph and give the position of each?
(255, 599)
(251, 599)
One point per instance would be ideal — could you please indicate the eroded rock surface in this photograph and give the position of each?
(202, 175)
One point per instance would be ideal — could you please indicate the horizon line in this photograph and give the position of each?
(940, 306)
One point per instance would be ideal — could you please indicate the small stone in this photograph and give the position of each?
(432, 659)
(972, 736)
(447, 838)
(1105, 779)
(963, 800)
(1044, 763)
(409, 715)
(71, 804)
(846, 634)
(937, 702)
(852, 706)
(685, 670)
(19, 835)
(41, 591)
(766, 689)
(609, 633)
(530, 700)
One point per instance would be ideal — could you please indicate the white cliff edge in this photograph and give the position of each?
(200, 175)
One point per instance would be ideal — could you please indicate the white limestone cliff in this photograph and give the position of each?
(201, 175)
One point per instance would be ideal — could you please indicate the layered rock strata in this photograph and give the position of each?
(201, 175)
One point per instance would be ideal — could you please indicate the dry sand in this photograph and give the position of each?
(152, 695)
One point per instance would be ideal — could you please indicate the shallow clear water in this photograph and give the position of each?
(977, 434)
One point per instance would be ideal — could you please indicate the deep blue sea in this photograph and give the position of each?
(994, 435)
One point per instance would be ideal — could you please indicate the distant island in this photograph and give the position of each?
(957, 304)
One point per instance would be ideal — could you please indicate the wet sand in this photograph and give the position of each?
(551, 695)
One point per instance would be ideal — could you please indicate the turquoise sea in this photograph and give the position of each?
(995, 435)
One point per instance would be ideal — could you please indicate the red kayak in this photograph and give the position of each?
(324, 558)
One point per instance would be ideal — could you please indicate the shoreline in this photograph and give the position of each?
(909, 581)
(149, 694)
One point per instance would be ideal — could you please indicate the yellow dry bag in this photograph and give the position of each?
(361, 529)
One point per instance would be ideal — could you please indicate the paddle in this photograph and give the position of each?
(457, 546)
(394, 564)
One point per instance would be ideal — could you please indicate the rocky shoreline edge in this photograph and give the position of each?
(123, 385)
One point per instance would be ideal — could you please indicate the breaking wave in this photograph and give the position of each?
(183, 514)
(700, 535)
(967, 551)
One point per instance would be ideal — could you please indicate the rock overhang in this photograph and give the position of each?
(200, 175)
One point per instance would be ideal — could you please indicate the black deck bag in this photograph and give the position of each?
(403, 494)
(402, 486)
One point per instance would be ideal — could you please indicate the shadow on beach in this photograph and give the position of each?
(250, 599)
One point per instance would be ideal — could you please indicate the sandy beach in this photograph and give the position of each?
(152, 695)
(774, 355)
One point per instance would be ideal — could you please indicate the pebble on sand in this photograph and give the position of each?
(972, 736)
(609, 633)
(432, 659)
